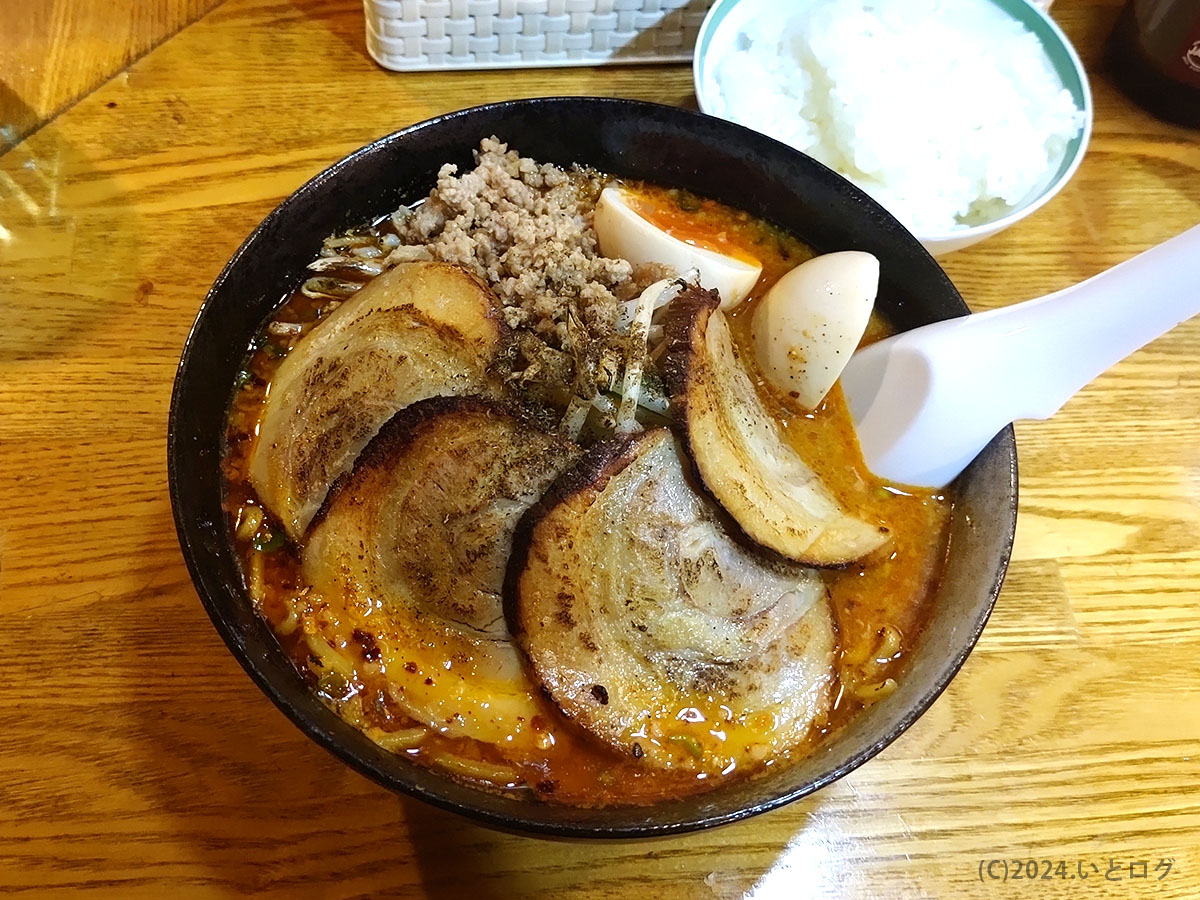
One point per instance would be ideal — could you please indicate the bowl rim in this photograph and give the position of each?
(263, 674)
(1053, 40)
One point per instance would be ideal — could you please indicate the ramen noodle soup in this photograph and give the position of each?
(508, 482)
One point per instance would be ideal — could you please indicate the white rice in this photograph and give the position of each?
(946, 111)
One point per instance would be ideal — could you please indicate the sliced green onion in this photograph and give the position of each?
(333, 685)
(269, 541)
(688, 743)
(687, 201)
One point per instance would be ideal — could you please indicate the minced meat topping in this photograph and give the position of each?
(526, 229)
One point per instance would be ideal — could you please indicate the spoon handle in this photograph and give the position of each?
(1054, 345)
(926, 401)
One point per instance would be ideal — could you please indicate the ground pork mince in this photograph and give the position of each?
(526, 229)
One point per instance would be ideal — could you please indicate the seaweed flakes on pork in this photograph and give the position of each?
(526, 228)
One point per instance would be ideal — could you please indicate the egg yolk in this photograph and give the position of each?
(691, 220)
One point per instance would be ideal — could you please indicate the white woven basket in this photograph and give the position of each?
(409, 35)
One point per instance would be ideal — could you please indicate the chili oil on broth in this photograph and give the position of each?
(346, 650)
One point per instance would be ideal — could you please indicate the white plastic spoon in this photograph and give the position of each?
(925, 402)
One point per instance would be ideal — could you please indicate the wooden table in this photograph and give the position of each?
(137, 760)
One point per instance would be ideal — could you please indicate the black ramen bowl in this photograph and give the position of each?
(666, 146)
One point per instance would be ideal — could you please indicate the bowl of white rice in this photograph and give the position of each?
(960, 117)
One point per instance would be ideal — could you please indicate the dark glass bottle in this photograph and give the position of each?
(1154, 57)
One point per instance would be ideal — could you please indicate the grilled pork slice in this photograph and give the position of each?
(420, 330)
(739, 451)
(415, 542)
(652, 629)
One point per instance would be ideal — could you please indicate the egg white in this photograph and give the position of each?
(624, 234)
(811, 321)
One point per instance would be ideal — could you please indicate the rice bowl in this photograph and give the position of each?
(957, 144)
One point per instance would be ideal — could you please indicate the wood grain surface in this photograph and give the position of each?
(52, 52)
(138, 761)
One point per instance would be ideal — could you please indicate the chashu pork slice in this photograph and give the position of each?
(413, 546)
(654, 630)
(419, 330)
(739, 451)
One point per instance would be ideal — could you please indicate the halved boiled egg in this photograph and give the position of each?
(626, 234)
(811, 320)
